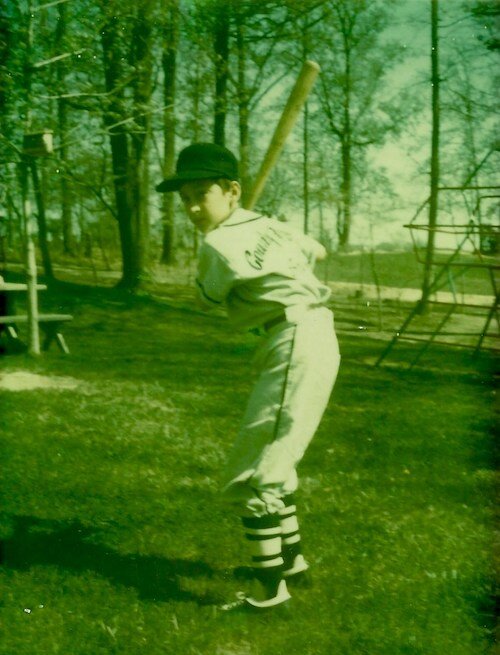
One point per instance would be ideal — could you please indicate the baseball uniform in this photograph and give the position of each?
(261, 270)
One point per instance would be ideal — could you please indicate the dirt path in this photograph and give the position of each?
(369, 291)
(26, 381)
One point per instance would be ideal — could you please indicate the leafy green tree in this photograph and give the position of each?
(358, 112)
(170, 38)
(62, 130)
(264, 34)
(487, 14)
(434, 177)
(126, 37)
(5, 48)
(221, 20)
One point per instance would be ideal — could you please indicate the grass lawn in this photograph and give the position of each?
(401, 269)
(115, 539)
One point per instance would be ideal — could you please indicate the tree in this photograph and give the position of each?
(353, 70)
(126, 37)
(222, 12)
(434, 172)
(5, 48)
(170, 33)
(62, 125)
(487, 13)
(264, 31)
(464, 119)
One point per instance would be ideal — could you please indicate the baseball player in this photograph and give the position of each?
(261, 271)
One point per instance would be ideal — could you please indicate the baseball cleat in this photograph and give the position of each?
(297, 574)
(248, 603)
(299, 565)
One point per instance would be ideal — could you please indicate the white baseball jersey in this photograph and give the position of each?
(259, 267)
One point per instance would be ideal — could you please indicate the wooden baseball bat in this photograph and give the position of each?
(296, 100)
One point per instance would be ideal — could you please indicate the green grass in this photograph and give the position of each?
(401, 269)
(116, 542)
(393, 269)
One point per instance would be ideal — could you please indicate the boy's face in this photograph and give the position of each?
(208, 204)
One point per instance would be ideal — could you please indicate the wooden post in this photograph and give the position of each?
(30, 265)
(29, 247)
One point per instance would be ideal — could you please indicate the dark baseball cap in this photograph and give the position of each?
(201, 161)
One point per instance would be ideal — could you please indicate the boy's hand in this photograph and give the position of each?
(320, 252)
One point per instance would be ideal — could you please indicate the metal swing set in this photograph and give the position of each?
(476, 246)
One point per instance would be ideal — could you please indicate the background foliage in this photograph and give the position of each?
(124, 85)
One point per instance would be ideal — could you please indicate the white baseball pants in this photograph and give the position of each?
(297, 365)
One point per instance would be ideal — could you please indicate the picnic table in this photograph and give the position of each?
(10, 319)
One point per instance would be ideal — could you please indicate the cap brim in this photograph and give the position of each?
(175, 182)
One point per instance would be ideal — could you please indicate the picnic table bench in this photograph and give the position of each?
(50, 324)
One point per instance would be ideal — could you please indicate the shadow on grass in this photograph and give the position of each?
(68, 547)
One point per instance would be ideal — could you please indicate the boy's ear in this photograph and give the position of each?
(236, 189)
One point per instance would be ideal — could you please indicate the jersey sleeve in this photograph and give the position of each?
(214, 277)
(312, 250)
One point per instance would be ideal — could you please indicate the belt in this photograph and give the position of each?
(281, 318)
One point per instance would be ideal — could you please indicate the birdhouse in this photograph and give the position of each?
(38, 144)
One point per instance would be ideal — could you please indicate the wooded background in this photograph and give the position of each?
(124, 85)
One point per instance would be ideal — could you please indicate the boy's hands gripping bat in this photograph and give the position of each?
(291, 112)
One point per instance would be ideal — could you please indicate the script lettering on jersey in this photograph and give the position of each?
(255, 257)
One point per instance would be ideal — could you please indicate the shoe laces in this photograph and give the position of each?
(240, 600)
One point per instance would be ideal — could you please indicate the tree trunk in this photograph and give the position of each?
(434, 173)
(170, 9)
(221, 49)
(5, 80)
(196, 126)
(344, 232)
(243, 115)
(62, 120)
(196, 111)
(305, 167)
(141, 60)
(119, 158)
(66, 204)
(344, 229)
(129, 165)
(305, 135)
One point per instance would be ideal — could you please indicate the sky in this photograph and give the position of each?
(405, 159)
(402, 158)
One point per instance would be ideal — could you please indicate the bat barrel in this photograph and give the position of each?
(293, 107)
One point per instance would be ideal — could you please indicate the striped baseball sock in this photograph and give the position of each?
(290, 534)
(264, 537)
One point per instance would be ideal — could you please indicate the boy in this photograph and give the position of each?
(261, 271)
